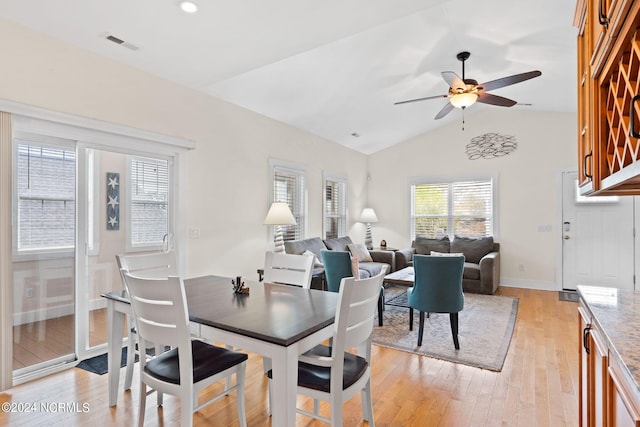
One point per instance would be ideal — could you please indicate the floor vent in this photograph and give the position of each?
(568, 296)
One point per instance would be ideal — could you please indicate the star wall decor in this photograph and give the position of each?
(490, 146)
(113, 201)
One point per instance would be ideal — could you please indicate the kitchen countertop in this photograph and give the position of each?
(616, 312)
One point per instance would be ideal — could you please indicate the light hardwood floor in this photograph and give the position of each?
(538, 385)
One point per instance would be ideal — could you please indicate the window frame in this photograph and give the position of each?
(301, 174)
(125, 187)
(25, 138)
(450, 232)
(343, 211)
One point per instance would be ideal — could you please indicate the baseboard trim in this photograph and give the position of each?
(529, 284)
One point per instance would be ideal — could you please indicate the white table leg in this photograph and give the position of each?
(115, 327)
(285, 384)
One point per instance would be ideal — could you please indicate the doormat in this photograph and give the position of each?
(100, 365)
(486, 326)
(568, 296)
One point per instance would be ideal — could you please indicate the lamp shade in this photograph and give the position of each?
(368, 215)
(279, 214)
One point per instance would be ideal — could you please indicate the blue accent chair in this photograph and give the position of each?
(437, 289)
(337, 265)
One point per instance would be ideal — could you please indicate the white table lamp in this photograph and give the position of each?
(279, 214)
(368, 216)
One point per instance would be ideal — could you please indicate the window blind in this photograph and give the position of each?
(46, 197)
(335, 208)
(149, 189)
(456, 208)
(288, 187)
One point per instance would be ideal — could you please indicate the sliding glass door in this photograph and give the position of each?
(44, 234)
(76, 204)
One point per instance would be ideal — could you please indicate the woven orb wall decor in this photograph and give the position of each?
(490, 146)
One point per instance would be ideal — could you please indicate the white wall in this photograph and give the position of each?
(227, 172)
(528, 183)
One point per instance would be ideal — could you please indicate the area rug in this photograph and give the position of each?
(99, 364)
(485, 328)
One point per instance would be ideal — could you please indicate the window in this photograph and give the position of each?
(335, 207)
(289, 186)
(149, 201)
(46, 199)
(463, 208)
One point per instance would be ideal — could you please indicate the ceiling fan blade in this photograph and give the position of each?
(453, 80)
(419, 99)
(445, 110)
(487, 98)
(510, 80)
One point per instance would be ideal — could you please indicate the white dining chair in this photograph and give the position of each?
(155, 265)
(161, 315)
(332, 374)
(288, 269)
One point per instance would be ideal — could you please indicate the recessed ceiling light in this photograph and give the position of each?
(188, 6)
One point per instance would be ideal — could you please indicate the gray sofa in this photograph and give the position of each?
(482, 259)
(316, 244)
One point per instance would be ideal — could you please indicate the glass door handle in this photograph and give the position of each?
(167, 242)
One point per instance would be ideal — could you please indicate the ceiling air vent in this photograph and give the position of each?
(120, 42)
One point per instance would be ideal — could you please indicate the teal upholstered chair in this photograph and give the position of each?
(437, 289)
(337, 265)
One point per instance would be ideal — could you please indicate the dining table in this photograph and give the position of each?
(279, 322)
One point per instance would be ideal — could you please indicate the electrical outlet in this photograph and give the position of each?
(194, 233)
(28, 292)
(521, 267)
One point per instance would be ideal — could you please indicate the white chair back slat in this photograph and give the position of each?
(288, 269)
(156, 265)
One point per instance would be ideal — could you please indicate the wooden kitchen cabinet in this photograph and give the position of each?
(608, 46)
(623, 409)
(608, 387)
(593, 374)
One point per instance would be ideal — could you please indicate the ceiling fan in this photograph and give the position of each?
(464, 92)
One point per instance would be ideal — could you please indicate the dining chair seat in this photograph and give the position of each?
(319, 377)
(208, 360)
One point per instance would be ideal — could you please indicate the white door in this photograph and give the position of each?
(598, 242)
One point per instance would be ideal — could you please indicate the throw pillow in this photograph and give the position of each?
(434, 253)
(360, 251)
(338, 243)
(473, 249)
(355, 267)
(316, 261)
(424, 245)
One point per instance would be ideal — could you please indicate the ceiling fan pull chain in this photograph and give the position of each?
(463, 119)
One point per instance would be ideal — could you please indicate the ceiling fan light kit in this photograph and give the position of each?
(463, 100)
(465, 92)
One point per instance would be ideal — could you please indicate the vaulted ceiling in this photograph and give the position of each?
(334, 68)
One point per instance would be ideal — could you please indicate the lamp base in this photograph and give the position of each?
(278, 240)
(368, 241)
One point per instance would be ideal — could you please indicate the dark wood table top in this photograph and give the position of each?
(273, 313)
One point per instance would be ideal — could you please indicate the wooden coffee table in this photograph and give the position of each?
(401, 277)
